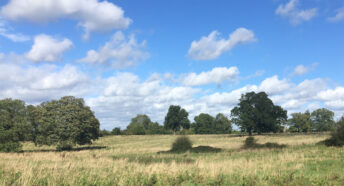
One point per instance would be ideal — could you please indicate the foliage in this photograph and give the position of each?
(337, 136)
(104, 132)
(300, 122)
(140, 119)
(67, 122)
(222, 124)
(136, 129)
(181, 144)
(322, 120)
(14, 126)
(176, 118)
(257, 113)
(116, 131)
(204, 124)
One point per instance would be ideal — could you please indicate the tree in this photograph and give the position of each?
(337, 135)
(204, 124)
(141, 119)
(155, 128)
(14, 126)
(300, 122)
(257, 113)
(322, 120)
(136, 129)
(67, 122)
(222, 124)
(116, 131)
(176, 118)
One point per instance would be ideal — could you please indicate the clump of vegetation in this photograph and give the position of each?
(181, 144)
(337, 136)
(205, 149)
(251, 142)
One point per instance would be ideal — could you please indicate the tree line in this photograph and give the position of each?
(68, 121)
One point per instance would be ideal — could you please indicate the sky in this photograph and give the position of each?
(127, 57)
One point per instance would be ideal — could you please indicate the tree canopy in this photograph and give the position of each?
(300, 122)
(322, 120)
(176, 118)
(257, 113)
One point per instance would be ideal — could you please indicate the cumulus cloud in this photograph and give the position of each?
(47, 48)
(120, 52)
(334, 98)
(216, 75)
(211, 46)
(92, 15)
(301, 69)
(126, 95)
(35, 84)
(6, 32)
(338, 17)
(295, 15)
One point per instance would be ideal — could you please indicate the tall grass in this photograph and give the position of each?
(133, 160)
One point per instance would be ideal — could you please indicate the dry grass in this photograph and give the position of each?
(133, 160)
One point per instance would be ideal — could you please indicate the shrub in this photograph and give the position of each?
(181, 144)
(250, 142)
(10, 147)
(337, 136)
(64, 145)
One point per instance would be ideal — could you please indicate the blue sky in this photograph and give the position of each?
(132, 57)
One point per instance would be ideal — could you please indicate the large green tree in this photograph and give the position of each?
(14, 125)
(176, 118)
(322, 120)
(300, 122)
(257, 113)
(67, 122)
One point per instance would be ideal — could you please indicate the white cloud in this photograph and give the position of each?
(120, 52)
(301, 69)
(41, 83)
(90, 14)
(15, 37)
(211, 47)
(274, 86)
(48, 49)
(216, 75)
(334, 98)
(339, 16)
(295, 15)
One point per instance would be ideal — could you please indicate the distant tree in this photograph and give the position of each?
(155, 128)
(136, 129)
(222, 124)
(300, 122)
(141, 119)
(104, 132)
(322, 120)
(67, 122)
(176, 118)
(116, 131)
(204, 124)
(257, 113)
(14, 126)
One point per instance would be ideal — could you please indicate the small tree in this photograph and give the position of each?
(337, 135)
(204, 124)
(116, 131)
(222, 124)
(176, 118)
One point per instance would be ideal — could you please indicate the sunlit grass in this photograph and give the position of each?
(134, 160)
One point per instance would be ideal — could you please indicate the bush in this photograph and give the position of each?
(337, 136)
(10, 147)
(250, 142)
(64, 145)
(181, 144)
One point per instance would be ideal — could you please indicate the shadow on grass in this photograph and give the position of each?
(73, 149)
(199, 149)
(144, 159)
(251, 143)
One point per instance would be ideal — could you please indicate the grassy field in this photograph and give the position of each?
(134, 160)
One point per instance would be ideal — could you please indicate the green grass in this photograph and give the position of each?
(213, 160)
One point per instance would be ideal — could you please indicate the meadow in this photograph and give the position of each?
(140, 160)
